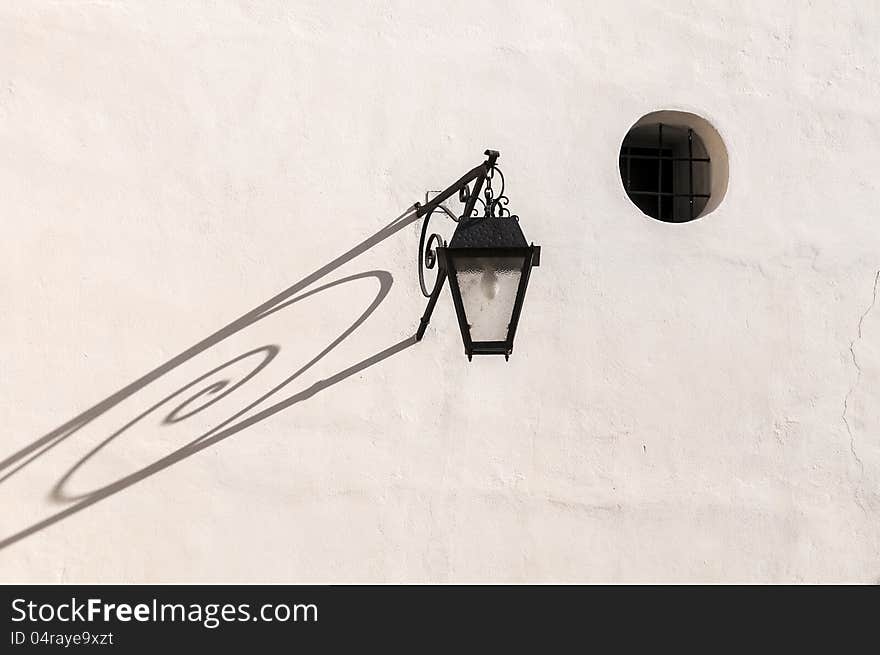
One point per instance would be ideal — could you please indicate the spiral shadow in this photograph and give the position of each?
(58, 493)
(214, 392)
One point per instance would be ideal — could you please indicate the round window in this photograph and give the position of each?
(673, 166)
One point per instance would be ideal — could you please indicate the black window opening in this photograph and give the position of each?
(666, 171)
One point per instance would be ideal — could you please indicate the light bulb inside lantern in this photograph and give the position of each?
(489, 284)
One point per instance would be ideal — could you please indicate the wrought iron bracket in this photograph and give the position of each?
(432, 301)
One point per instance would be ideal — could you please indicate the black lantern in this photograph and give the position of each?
(487, 262)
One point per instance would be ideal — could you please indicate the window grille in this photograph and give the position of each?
(665, 171)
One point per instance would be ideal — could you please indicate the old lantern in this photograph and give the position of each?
(487, 262)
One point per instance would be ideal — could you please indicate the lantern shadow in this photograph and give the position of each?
(31, 453)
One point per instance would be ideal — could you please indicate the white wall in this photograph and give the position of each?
(693, 402)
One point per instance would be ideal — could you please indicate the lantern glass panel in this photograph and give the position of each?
(488, 287)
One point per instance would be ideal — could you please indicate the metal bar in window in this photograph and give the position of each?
(666, 157)
(659, 171)
(667, 194)
(691, 169)
(673, 215)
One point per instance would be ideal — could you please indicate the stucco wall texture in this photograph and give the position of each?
(207, 367)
